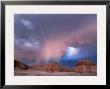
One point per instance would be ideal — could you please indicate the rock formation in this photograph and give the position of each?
(85, 66)
(50, 67)
(20, 66)
(82, 66)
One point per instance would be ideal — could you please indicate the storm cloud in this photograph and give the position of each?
(44, 37)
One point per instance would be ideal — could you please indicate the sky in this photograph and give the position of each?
(64, 38)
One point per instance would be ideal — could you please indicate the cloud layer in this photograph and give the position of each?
(45, 37)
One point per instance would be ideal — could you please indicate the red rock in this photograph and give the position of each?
(85, 66)
(20, 66)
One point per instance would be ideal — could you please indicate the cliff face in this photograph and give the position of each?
(85, 66)
(20, 66)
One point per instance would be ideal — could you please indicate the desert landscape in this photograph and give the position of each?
(82, 68)
(55, 44)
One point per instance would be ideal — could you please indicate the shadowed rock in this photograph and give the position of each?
(20, 66)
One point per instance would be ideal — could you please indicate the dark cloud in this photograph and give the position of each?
(50, 25)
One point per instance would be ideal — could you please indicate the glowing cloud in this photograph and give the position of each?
(72, 51)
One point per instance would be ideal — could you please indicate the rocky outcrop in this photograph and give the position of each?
(51, 67)
(82, 66)
(85, 66)
(20, 66)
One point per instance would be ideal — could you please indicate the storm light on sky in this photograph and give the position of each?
(71, 51)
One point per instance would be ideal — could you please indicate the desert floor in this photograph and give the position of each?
(44, 73)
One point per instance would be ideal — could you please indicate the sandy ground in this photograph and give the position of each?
(44, 73)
